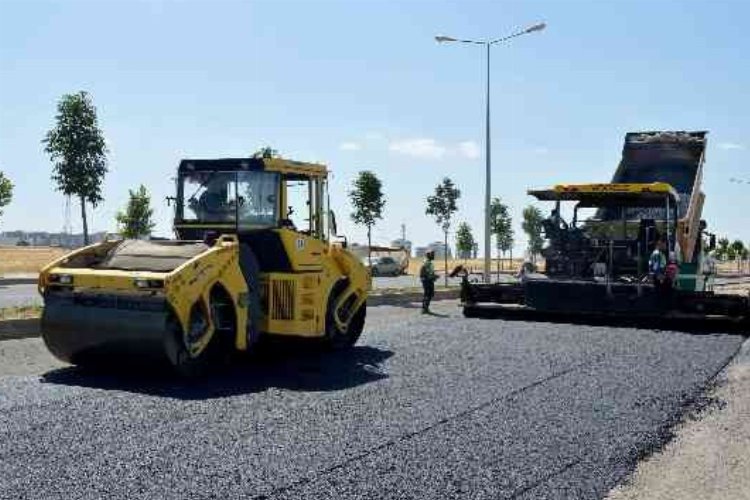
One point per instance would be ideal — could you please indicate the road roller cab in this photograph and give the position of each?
(257, 254)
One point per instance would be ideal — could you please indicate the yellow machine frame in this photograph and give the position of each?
(294, 303)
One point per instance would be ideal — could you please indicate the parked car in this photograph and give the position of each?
(384, 266)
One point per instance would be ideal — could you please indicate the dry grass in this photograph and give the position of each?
(23, 260)
(20, 312)
(733, 267)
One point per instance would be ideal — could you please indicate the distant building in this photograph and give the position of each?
(401, 243)
(437, 246)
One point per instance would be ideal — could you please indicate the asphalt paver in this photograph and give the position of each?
(426, 406)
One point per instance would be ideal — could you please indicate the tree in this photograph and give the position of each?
(6, 192)
(738, 251)
(501, 225)
(722, 249)
(465, 242)
(77, 148)
(532, 226)
(441, 206)
(136, 221)
(368, 202)
(266, 152)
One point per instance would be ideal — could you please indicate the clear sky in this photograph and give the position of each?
(362, 85)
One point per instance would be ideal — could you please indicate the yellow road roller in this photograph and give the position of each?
(257, 254)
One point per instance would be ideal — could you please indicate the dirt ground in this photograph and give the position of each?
(21, 260)
(732, 267)
(735, 288)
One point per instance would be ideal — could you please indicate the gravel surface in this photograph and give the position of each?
(25, 357)
(424, 407)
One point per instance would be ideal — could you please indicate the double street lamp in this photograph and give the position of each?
(487, 186)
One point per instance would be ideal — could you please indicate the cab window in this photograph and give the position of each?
(210, 196)
(258, 199)
(248, 198)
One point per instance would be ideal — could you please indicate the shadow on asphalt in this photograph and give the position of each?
(295, 369)
(687, 325)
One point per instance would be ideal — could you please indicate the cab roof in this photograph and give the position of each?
(613, 194)
(290, 168)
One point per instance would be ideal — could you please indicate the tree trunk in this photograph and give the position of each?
(499, 262)
(445, 258)
(85, 222)
(511, 258)
(369, 247)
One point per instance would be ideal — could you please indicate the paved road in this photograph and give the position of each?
(26, 294)
(425, 407)
(18, 295)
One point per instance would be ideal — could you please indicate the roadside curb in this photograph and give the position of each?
(18, 281)
(391, 299)
(19, 328)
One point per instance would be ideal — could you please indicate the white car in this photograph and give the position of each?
(384, 266)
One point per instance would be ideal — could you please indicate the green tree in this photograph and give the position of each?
(465, 242)
(441, 206)
(76, 146)
(137, 219)
(738, 251)
(722, 249)
(532, 226)
(501, 225)
(6, 192)
(266, 152)
(368, 201)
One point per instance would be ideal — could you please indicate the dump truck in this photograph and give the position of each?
(597, 261)
(244, 265)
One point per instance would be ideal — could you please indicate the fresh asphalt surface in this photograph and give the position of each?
(424, 407)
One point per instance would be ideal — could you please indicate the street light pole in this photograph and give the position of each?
(487, 180)
(488, 168)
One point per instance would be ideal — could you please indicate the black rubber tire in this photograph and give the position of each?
(213, 358)
(374, 271)
(337, 340)
(470, 312)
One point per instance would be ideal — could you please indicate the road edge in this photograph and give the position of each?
(709, 402)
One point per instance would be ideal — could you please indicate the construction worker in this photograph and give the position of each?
(428, 277)
(657, 263)
(657, 267)
(672, 271)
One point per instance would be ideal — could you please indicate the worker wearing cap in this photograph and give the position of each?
(428, 277)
